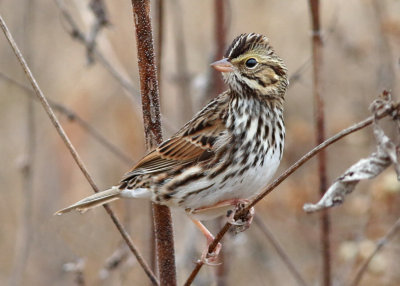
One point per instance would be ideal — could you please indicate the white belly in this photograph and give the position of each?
(244, 186)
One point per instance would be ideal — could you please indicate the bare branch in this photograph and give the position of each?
(220, 29)
(281, 252)
(296, 75)
(71, 148)
(76, 33)
(74, 117)
(159, 11)
(152, 126)
(119, 76)
(99, 10)
(183, 77)
(319, 115)
(379, 245)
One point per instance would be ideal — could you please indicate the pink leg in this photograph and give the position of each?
(228, 204)
(206, 257)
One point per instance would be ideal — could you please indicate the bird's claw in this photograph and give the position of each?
(211, 259)
(244, 222)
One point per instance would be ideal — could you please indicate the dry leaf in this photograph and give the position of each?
(368, 168)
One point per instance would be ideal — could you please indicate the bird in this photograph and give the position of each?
(226, 153)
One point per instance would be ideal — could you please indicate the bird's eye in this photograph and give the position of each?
(251, 63)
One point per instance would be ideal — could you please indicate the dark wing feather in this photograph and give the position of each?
(188, 145)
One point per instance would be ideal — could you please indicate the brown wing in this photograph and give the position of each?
(188, 145)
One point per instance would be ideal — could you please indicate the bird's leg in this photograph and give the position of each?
(218, 208)
(206, 257)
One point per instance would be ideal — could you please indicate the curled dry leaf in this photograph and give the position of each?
(387, 153)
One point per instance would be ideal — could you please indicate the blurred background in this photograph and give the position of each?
(95, 91)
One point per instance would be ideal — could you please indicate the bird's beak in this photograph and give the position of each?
(223, 65)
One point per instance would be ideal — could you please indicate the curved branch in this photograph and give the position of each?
(75, 117)
(381, 243)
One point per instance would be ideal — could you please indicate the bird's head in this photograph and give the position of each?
(251, 67)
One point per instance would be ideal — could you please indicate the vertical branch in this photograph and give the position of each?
(220, 41)
(183, 76)
(320, 136)
(152, 128)
(159, 41)
(217, 86)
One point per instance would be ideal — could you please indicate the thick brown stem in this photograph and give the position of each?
(152, 127)
(320, 136)
(159, 7)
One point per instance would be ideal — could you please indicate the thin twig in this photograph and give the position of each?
(71, 148)
(281, 252)
(74, 117)
(220, 42)
(152, 126)
(183, 77)
(101, 20)
(320, 137)
(379, 245)
(358, 126)
(77, 34)
(296, 75)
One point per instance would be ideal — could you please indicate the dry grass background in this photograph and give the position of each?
(361, 57)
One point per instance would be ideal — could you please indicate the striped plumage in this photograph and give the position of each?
(228, 151)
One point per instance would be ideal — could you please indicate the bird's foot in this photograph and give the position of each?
(244, 221)
(206, 257)
(211, 259)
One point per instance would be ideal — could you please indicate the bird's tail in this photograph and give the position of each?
(93, 201)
